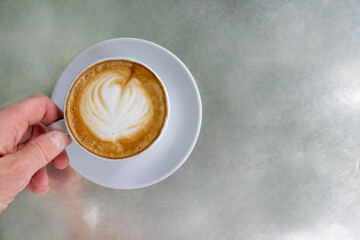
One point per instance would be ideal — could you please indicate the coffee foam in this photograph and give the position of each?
(116, 108)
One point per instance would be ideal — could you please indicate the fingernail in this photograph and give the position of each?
(69, 140)
(59, 139)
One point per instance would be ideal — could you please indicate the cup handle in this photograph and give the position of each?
(58, 125)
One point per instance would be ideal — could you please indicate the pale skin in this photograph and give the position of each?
(26, 148)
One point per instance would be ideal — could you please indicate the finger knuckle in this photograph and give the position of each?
(38, 152)
(39, 95)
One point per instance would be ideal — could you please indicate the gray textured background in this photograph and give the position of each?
(278, 155)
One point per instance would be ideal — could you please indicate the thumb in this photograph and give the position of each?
(41, 150)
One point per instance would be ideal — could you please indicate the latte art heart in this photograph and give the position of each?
(115, 107)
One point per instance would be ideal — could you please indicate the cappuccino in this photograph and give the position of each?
(116, 109)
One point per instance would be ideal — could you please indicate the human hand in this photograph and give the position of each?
(26, 148)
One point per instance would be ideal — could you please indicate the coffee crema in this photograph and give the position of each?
(116, 108)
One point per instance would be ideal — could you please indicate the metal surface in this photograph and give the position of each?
(278, 155)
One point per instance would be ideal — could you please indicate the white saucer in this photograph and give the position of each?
(182, 131)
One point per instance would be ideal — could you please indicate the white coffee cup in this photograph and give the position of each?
(62, 125)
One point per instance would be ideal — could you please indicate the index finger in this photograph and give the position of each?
(15, 119)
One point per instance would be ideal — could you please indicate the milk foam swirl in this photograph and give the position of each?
(115, 106)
